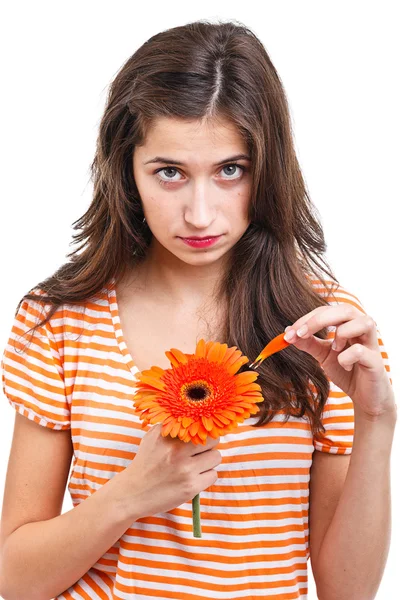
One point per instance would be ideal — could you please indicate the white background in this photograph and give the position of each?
(339, 66)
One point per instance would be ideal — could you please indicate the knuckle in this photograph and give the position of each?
(370, 323)
(349, 311)
(218, 456)
(189, 488)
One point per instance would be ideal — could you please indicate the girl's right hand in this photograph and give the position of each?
(166, 472)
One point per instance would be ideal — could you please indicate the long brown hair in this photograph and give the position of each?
(206, 70)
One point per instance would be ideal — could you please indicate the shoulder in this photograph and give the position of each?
(334, 293)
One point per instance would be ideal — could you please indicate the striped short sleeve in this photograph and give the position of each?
(338, 413)
(32, 370)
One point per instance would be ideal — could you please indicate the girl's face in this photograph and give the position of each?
(191, 184)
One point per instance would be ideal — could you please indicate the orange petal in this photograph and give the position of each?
(202, 433)
(169, 419)
(145, 394)
(222, 351)
(233, 357)
(143, 403)
(234, 368)
(158, 370)
(207, 422)
(200, 349)
(242, 389)
(246, 377)
(176, 357)
(217, 421)
(175, 429)
(194, 427)
(223, 419)
(157, 419)
(213, 352)
(229, 414)
(166, 429)
(237, 408)
(209, 345)
(228, 354)
(187, 421)
(153, 382)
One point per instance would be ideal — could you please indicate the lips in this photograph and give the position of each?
(207, 237)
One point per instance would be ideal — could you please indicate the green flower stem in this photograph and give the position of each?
(196, 516)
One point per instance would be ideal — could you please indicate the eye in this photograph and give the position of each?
(234, 165)
(171, 180)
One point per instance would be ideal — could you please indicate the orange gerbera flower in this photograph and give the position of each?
(200, 395)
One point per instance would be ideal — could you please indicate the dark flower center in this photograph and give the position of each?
(196, 392)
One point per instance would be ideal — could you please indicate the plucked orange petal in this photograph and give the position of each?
(275, 345)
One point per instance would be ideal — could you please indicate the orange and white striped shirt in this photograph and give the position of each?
(78, 375)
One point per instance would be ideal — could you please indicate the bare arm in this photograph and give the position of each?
(44, 552)
(32, 555)
(354, 550)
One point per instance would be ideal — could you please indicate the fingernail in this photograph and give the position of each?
(302, 331)
(289, 335)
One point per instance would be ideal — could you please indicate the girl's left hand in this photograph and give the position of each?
(355, 365)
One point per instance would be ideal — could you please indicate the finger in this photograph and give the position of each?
(331, 315)
(318, 348)
(363, 356)
(305, 318)
(363, 327)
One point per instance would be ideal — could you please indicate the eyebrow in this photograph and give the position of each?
(165, 160)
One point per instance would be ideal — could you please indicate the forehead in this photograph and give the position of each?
(183, 137)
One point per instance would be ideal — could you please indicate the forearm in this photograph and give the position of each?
(42, 559)
(355, 547)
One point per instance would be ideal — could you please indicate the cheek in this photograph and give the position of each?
(242, 205)
(160, 213)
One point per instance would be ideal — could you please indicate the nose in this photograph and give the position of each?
(200, 210)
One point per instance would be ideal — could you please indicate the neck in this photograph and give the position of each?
(179, 283)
